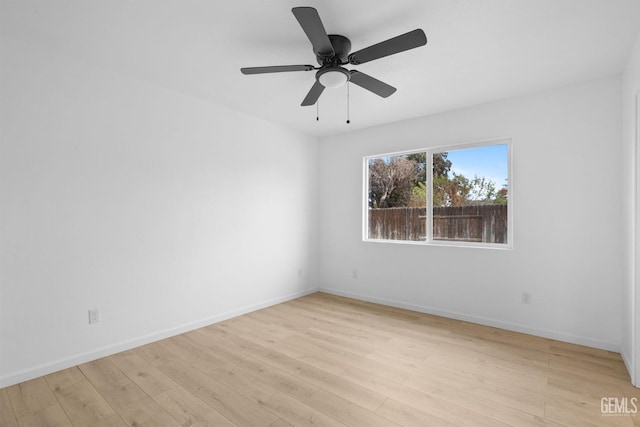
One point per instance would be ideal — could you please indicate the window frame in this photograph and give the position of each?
(429, 220)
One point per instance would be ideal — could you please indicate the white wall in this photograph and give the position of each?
(163, 211)
(631, 304)
(124, 196)
(567, 232)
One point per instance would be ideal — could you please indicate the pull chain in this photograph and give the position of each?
(317, 110)
(348, 121)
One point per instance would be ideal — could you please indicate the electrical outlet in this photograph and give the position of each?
(94, 316)
(299, 272)
(526, 298)
(355, 274)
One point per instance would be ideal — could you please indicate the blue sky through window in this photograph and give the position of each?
(489, 161)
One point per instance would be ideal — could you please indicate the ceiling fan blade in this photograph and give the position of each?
(276, 69)
(313, 95)
(410, 40)
(312, 25)
(367, 82)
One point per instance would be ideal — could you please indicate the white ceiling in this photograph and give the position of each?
(478, 50)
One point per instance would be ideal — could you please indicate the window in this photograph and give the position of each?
(450, 195)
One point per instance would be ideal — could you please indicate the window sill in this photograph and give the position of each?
(444, 243)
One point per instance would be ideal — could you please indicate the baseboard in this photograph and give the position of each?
(627, 363)
(29, 374)
(573, 339)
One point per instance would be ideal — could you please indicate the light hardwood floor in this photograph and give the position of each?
(324, 360)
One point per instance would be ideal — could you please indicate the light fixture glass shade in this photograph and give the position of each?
(333, 78)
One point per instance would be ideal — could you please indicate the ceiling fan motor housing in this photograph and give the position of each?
(341, 48)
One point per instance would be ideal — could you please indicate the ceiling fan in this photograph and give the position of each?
(332, 52)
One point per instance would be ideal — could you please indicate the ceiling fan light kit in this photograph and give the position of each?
(332, 51)
(333, 77)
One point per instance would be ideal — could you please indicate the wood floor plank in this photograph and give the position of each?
(431, 403)
(511, 393)
(299, 344)
(130, 401)
(53, 416)
(375, 325)
(587, 366)
(488, 369)
(80, 400)
(143, 373)
(237, 408)
(30, 397)
(331, 360)
(187, 350)
(280, 423)
(326, 320)
(188, 410)
(7, 417)
(580, 390)
(409, 416)
(503, 336)
(277, 378)
(330, 382)
(493, 408)
(176, 401)
(324, 360)
(345, 411)
(155, 353)
(298, 413)
(284, 406)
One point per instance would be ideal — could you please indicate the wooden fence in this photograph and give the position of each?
(479, 223)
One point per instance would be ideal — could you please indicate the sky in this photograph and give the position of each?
(490, 161)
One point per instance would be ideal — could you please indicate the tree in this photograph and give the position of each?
(441, 165)
(482, 190)
(501, 196)
(419, 196)
(400, 181)
(391, 180)
(450, 191)
(458, 190)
